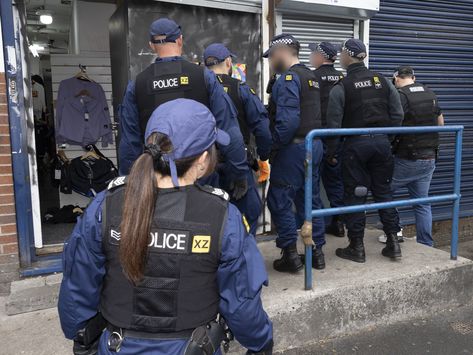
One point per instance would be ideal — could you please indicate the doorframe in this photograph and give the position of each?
(30, 263)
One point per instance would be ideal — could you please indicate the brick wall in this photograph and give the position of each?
(9, 262)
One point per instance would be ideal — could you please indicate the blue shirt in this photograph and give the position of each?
(131, 144)
(286, 97)
(240, 275)
(257, 120)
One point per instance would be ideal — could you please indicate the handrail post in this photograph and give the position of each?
(456, 191)
(308, 210)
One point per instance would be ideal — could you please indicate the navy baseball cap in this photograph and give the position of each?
(283, 39)
(191, 128)
(355, 48)
(327, 49)
(216, 53)
(404, 70)
(164, 27)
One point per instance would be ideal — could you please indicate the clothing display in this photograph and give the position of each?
(82, 114)
(39, 100)
(91, 173)
(65, 214)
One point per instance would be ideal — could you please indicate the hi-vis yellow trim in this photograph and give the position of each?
(184, 80)
(201, 244)
(245, 223)
(288, 77)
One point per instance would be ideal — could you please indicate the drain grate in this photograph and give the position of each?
(462, 327)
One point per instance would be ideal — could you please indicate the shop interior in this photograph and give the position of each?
(71, 99)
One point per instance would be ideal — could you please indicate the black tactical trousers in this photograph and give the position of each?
(367, 162)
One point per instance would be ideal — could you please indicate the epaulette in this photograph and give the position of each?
(215, 191)
(117, 182)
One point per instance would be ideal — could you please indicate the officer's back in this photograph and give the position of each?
(150, 249)
(364, 99)
(323, 57)
(170, 77)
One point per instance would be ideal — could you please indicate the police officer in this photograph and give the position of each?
(414, 161)
(295, 101)
(254, 125)
(171, 77)
(160, 256)
(364, 99)
(322, 58)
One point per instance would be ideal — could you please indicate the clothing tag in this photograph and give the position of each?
(86, 116)
(57, 174)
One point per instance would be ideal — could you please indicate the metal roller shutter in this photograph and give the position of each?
(309, 29)
(436, 38)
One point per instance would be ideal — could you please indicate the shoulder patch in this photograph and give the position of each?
(245, 223)
(119, 181)
(215, 191)
(288, 77)
(252, 91)
(225, 88)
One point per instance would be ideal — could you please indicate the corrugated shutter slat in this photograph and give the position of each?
(436, 38)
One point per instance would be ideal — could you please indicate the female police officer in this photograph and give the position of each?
(159, 258)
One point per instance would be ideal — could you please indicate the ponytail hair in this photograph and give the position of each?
(140, 200)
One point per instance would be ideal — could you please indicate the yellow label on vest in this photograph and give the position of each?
(245, 223)
(376, 79)
(288, 77)
(184, 80)
(201, 244)
(225, 88)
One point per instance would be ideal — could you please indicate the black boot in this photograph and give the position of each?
(336, 228)
(290, 260)
(318, 259)
(355, 251)
(392, 248)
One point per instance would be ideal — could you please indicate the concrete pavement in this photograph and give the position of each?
(347, 298)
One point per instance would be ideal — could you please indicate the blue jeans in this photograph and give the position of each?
(416, 176)
(286, 190)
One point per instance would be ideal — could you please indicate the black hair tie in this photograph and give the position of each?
(154, 150)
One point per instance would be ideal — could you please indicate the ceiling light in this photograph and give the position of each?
(45, 17)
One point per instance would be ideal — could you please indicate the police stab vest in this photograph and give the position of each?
(310, 117)
(327, 76)
(422, 111)
(232, 88)
(179, 289)
(366, 100)
(165, 81)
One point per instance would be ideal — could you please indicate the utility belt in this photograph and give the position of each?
(417, 154)
(204, 340)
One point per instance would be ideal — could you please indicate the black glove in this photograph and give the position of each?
(273, 154)
(268, 350)
(239, 188)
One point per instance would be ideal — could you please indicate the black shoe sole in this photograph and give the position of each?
(392, 256)
(290, 271)
(349, 257)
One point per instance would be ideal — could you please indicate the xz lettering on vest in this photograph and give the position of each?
(165, 83)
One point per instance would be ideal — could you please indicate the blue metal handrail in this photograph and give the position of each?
(309, 213)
